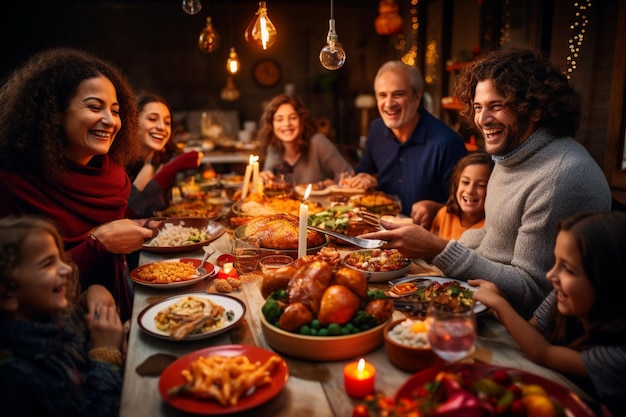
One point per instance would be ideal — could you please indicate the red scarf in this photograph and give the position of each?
(83, 198)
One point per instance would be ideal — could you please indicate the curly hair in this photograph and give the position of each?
(476, 158)
(33, 102)
(266, 128)
(601, 239)
(13, 233)
(530, 85)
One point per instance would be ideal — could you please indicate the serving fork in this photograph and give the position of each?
(357, 241)
(208, 251)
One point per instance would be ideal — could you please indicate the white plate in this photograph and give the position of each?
(147, 324)
(192, 280)
(478, 306)
(301, 190)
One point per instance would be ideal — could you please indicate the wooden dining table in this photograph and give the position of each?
(313, 388)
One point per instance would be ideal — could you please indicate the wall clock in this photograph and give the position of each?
(266, 72)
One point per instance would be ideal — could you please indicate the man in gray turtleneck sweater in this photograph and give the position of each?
(528, 115)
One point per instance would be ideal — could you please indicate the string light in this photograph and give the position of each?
(410, 58)
(505, 32)
(576, 41)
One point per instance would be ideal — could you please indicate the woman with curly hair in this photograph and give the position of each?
(69, 128)
(527, 113)
(293, 146)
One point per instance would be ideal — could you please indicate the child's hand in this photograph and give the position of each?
(106, 329)
(487, 293)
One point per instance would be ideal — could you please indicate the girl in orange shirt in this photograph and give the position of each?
(465, 208)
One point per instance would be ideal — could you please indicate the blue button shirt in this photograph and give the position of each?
(420, 168)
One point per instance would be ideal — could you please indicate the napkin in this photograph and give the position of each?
(155, 364)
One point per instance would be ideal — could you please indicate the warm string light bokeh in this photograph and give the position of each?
(575, 42)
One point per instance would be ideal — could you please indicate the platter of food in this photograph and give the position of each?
(248, 377)
(191, 316)
(192, 208)
(230, 181)
(170, 273)
(481, 386)
(315, 190)
(379, 265)
(378, 202)
(185, 234)
(343, 219)
(279, 234)
(265, 206)
(421, 289)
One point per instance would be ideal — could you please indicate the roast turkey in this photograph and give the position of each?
(280, 231)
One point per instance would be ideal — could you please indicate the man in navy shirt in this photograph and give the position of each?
(409, 152)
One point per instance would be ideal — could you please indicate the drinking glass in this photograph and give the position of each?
(451, 328)
(247, 253)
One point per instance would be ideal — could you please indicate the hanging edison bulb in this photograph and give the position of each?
(230, 92)
(261, 30)
(192, 6)
(209, 39)
(332, 55)
(232, 64)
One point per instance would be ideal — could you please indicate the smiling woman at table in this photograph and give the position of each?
(153, 176)
(293, 147)
(69, 124)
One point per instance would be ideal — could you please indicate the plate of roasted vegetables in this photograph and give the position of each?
(485, 390)
(421, 289)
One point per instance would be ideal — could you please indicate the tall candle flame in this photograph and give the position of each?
(252, 159)
(307, 192)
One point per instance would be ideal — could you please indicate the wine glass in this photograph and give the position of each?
(451, 328)
(247, 253)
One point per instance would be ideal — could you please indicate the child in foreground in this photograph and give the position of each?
(580, 328)
(55, 358)
(465, 208)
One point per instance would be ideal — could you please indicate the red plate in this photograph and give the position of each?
(568, 399)
(172, 377)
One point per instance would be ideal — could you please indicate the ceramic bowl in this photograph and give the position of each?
(409, 359)
(377, 276)
(322, 348)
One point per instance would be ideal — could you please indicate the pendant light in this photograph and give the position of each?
(261, 30)
(192, 6)
(332, 55)
(232, 64)
(209, 39)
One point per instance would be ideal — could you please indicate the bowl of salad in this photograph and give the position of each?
(379, 265)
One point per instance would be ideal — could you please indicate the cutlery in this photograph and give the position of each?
(208, 251)
(357, 241)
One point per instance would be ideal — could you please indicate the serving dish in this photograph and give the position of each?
(301, 189)
(172, 377)
(192, 208)
(212, 228)
(322, 348)
(147, 316)
(239, 232)
(408, 358)
(573, 404)
(272, 205)
(422, 283)
(380, 264)
(378, 202)
(185, 281)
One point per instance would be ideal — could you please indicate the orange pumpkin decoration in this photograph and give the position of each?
(388, 21)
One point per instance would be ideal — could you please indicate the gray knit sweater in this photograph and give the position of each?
(542, 181)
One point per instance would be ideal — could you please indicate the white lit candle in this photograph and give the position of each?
(256, 181)
(246, 178)
(304, 217)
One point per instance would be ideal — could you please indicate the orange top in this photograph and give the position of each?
(448, 225)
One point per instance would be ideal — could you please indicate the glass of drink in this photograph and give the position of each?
(451, 328)
(247, 253)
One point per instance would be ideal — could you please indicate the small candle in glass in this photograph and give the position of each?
(227, 271)
(359, 378)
